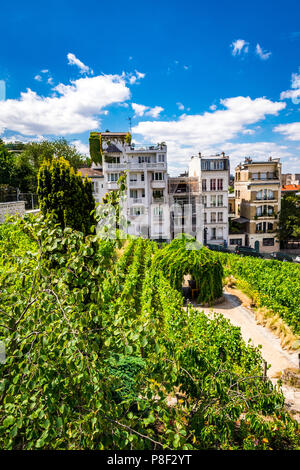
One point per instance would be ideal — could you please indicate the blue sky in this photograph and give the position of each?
(201, 76)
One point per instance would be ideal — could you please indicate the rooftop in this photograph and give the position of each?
(90, 172)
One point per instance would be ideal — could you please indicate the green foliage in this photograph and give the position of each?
(62, 193)
(95, 143)
(185, 256)
(97, 351)
(289, 218)
(128, 138)
(277, 284)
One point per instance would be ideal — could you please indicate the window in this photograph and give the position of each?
(212, 201)
(158, 176)
(113, 177)
(136, 210)
(133, 177)
(204, 201)
(213, 233)
(213, 217)
(268, 241)
(220, 216)
(259, 210)
(236, 241)
(95, 187)
(158, 211)
(161, 158)
(133, 193)
(213, 185)
(143, 177)
(255, 176)
(203, 185)
(220, 200)
(143, 192)
(220, 184)
(263, 176)
(144, 159)
(205, 217)
(270, 210)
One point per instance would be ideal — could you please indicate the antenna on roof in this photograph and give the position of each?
(129, 119)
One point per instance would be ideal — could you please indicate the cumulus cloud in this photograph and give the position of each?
(81, 147)
(239, 46)
(141, 110)
(290, 131)
(73, 108)
(72, 60)
(294, 93)
(262, 54)
(180, 106)
(38, 78)
(190, 134)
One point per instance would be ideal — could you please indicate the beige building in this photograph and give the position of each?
(257, 202)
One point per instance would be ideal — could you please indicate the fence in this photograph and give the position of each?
(30, 199)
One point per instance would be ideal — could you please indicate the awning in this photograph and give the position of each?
(240, 220)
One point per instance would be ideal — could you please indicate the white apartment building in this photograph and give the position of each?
(146, 205)
(213, 173)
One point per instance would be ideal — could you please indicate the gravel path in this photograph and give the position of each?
(272, 352)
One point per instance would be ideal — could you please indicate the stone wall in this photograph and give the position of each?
(11, 208)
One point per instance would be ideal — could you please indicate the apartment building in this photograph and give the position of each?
(146, 205)
(213, 174)
(185, 208)
(257, 202)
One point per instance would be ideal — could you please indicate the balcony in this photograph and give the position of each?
(135, 184)
(137, 200)
(115, 166)
(157, 184)
(159, 200)
(146, 148)
(112, 185)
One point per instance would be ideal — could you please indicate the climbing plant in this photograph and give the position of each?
(186, 256)
(95, 143)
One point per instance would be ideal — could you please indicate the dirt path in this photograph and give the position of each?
(271, 350)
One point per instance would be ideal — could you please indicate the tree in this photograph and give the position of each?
(63, 193)
(289, 218)
(7, 169)
(37, 152)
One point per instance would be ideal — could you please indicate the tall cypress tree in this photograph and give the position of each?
(62, 192)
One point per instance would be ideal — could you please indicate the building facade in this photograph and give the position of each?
(213, 174)
(146, 205)
(257, 202)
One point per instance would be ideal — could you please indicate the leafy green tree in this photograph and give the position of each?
(63, 193)
(289, 219)
(7, 169)
(37, 152)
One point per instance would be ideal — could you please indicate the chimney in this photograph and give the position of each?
(199, 154)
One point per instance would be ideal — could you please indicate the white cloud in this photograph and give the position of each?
(154, 112)
(180, 106)
(72, 60)
(239, 46)
(38, 78)
(141, 110)
(44, 71)
(186, 67)
(21, 138)
(262, 54)
(213, 107)
(140, 74)
(72, 109)
(190, 134)
(81, 147)
(290, 131)
(293, 94)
